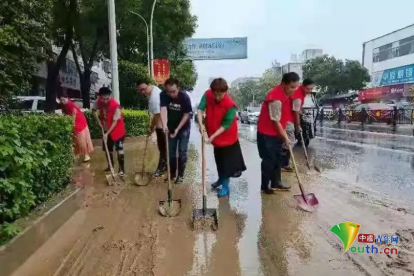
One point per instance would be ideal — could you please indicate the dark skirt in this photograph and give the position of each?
(229, 161)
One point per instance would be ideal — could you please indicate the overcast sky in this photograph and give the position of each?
(277, 29)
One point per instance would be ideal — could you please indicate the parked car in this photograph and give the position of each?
(33, 104)
(250, 115)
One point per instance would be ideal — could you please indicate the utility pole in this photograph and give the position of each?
(152, 38)
(114, 49)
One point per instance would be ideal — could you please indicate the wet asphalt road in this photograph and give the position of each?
(381, 162)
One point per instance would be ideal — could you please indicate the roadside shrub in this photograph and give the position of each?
(136, 123)
(35, 161)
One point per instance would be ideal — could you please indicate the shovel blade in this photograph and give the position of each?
(207, 218)
(111, 180)
(309, 204)
(143, 179)
(169, 208)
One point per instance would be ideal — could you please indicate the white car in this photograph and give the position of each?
(38, 104)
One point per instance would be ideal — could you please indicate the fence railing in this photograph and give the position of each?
(396, 116)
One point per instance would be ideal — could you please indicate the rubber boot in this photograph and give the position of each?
(160, 168)
(225, 190)
(216, 184)
(121, 163)
(111, 156)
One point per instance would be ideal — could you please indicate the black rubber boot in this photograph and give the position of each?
(121, 163)
(266, 172)
(160, 168)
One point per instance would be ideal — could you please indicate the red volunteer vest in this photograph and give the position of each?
(299, 94)
(215, 112)
(80, 120)
(265, 124)
(119, 130)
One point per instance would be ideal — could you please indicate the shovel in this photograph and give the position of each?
(110, 178)
(169, 207)
(143, 178)
(306, 202)
(205, 216)
(306, 155)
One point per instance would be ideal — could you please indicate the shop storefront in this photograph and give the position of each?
(394, 93)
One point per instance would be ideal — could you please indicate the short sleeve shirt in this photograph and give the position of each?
(154, 104)
(176, 109)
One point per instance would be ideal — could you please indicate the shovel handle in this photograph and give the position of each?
(107, 155)
(203, 166)
(297, 173)
(145, 155)
(168, 163)
(304, 149)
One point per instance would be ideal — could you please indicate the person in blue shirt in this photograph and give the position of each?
(175, 116)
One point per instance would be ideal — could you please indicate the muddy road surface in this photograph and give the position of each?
(117, 230)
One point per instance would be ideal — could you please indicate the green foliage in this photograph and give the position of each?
(334, 76)
(255, 89)
(129, 74)
(136, 123)
(23, 33)
(35, 162)
(185, 72)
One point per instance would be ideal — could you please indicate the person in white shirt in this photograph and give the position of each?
(153, 94)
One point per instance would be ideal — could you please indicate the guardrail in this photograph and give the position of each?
(396, 116)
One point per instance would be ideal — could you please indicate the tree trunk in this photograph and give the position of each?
(85, 88)
(53, 74)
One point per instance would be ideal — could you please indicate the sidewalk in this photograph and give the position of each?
(404, 129)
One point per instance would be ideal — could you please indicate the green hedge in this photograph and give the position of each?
(136, 123)
(35, 161)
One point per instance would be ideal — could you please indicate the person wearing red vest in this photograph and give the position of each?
(111, 121)
(298, 99)
(222, 131)
(276, 112)
(81, 136)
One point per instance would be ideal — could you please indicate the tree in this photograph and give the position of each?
(129, 74)
(334, 76)
(63, 13)
(24, 43)
(90, 40)
(172, 23)
(246, 92)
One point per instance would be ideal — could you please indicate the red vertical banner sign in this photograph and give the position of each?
(161, 70)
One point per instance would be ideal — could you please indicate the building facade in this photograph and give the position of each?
(308, 54)
(293, 67)
(390, 58)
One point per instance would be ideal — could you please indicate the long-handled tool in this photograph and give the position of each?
(306, 155)
(205, 216)
(169, 207)
(143, 178)
(110, 178)
(305, 201)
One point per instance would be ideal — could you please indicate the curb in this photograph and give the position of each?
(15, 252)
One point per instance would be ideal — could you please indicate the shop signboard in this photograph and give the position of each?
(393, 91)
(382, 92)
(370, 94)
(398, 75)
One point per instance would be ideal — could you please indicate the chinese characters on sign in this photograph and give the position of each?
(382, 92)
(69, 76)
(403, 74)
(216, 48)
(161, 70)
(370, 238)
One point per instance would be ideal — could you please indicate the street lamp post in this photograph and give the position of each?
(114, 49)
(148, 41)
(152, 38)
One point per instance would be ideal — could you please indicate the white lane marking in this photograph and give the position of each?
(365, 131)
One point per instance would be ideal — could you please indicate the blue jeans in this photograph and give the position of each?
(180, 144)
